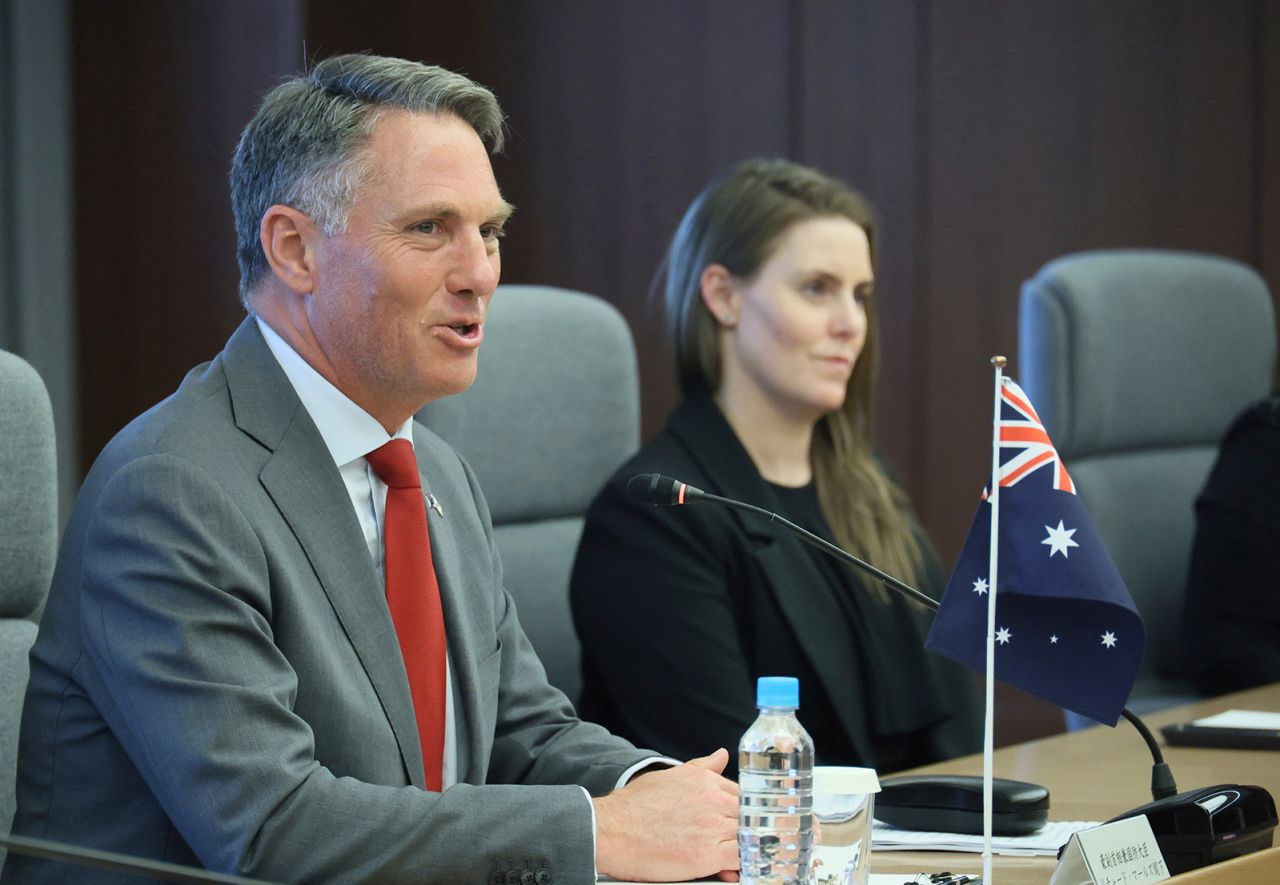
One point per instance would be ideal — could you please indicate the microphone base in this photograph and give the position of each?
(1208, 825)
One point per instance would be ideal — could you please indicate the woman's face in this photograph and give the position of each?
(798, 326)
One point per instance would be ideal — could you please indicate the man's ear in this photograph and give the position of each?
(288, 238)
(720, 294)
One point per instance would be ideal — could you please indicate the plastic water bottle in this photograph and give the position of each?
(775, 779)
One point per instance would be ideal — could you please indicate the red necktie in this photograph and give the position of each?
(413, 595)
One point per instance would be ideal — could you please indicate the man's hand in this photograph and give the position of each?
(681, 823)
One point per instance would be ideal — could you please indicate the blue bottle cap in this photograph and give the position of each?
(778, 691)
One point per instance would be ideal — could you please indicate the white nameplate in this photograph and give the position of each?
(1122, 853)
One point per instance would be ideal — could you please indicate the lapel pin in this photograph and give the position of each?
(434, 504)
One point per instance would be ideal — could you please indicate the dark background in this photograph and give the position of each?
(992, 135)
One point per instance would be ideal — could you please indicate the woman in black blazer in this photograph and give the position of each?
(769, 299)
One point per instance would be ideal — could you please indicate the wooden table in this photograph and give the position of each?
(1099, 772)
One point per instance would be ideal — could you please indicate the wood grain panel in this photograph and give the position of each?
(1054, 128)
(1266, 149)
(162, 91)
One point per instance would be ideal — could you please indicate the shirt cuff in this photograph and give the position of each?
(643, 764)
(595, 870)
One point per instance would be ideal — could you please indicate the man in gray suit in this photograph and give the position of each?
(217, 679)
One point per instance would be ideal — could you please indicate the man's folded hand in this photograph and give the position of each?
(681, 823)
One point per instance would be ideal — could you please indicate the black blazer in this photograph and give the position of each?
(1233, 610)
(680, 609)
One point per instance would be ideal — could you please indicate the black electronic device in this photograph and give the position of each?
(1205, 826)
(1188, 734)
(953, 804)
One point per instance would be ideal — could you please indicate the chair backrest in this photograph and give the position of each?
(555, 409)
(28, 542)
(1137, 361)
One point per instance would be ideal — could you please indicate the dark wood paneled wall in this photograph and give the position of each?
(992, 135)
(162, 89)
(1055, 127)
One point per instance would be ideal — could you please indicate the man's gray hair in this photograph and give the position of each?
(304, 146)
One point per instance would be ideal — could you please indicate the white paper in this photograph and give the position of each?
(1242, 719)
(1045, 841)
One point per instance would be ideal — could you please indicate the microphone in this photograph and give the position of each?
(659, 490)
(663, 491)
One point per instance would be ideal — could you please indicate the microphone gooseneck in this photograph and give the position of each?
(96, 858)
(1162, 784)
(663, 491)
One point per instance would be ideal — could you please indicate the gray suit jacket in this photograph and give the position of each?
(217, 678)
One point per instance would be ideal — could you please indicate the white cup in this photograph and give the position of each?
(843, 801)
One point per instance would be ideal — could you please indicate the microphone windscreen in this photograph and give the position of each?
(650, 488)
(661, 491)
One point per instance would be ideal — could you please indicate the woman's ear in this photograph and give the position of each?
(720, 294)
(287, 236)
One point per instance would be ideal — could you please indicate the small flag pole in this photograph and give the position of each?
(988, 744)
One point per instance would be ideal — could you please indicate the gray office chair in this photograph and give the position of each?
(1137, 361)
(554, 411)
(28, 541)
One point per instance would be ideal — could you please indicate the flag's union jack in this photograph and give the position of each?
(1020, 428)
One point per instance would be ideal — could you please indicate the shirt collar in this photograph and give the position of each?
(349, 432)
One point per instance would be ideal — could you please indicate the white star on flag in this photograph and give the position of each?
(1059, 539)
(1003, 636)
(1109, 639)
(980, 586)
(1053, 640)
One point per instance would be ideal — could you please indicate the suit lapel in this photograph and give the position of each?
(305, 485)
(786, 566)
(801, 592)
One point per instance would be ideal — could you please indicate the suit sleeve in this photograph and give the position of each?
(179, 657)
(653, 606)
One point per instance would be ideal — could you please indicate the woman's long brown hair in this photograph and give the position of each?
(737, 221)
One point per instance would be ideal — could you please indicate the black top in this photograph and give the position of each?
(876, 635)
(1233, 604)
(680, 608)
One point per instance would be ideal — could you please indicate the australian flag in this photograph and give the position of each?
(1066, 627)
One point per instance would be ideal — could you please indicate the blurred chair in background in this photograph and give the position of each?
(1138, 360)
(553, 412)
(28, 545)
